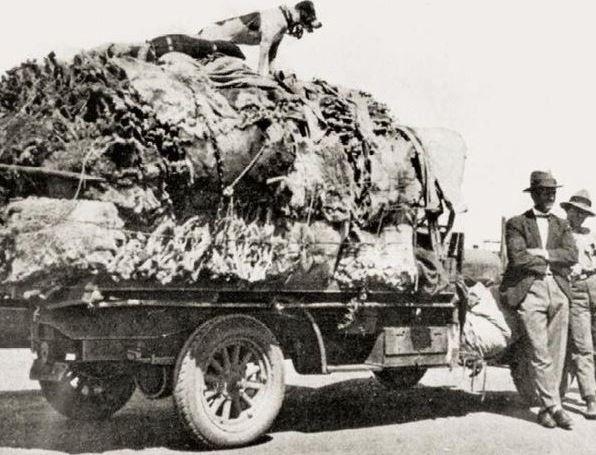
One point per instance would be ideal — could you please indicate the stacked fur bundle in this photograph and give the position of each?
(212, 170)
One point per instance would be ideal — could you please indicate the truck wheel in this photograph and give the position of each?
(154, 382)
(85, 395)
(229, 381)
(400, 378)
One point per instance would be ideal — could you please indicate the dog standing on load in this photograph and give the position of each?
(266, 28)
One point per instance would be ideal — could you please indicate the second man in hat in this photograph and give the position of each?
(583, 302)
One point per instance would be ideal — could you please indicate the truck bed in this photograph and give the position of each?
(216, 296)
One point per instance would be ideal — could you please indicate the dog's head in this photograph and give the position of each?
(308, 15)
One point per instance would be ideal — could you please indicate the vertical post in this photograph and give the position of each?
(435, 235)
(503, 248)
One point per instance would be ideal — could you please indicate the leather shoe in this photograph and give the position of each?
(546, 419)
(562, 419)
(590, 409)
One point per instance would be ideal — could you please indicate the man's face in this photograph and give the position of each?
(544, 198)
(576, 217)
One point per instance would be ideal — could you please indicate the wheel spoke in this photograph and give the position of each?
(236, 355)
(252, 369)
(246, 398)
(216, 404)
(236, 405)
(254, 385)
(210, 394)
(262, 366)
(98, 390)
(216, 365)
(75, 382)
(245, 359)
(226, 412)
(226, 358)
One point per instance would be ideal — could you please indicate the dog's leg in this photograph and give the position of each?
(264, 58)
(273, 52)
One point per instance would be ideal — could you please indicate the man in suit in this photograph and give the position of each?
(540, 251)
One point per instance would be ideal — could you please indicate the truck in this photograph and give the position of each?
(219, 350)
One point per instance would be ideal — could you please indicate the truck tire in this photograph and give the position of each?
(84, 395)
(229, 381)
(400, 378)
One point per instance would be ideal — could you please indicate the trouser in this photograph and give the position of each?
(581, 346)
(545, 316)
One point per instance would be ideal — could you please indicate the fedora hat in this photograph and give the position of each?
(580, 200)
(542, 179)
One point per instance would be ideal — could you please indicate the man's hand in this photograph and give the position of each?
(540, 252)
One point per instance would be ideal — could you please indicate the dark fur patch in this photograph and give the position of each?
(252, 21)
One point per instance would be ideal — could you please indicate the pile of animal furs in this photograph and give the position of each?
(185, 170)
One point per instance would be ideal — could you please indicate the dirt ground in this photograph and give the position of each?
(337, 414)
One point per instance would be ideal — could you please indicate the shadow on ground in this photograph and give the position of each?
(29, 422)
(362, 403)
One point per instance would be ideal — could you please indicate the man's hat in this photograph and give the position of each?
(580, 200)
(542, 179)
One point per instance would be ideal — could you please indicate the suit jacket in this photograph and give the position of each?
(521, 232)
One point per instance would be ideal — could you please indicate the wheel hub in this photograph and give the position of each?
(234, 380)
(233, 384)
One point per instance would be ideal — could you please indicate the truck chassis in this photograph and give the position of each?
(220, 352)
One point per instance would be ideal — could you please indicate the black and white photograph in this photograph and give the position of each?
(257, 227)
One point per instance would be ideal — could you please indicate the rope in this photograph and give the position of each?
(82, 178)
(229, 190)
(82, 174)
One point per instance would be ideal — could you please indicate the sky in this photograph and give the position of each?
(517, 79)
